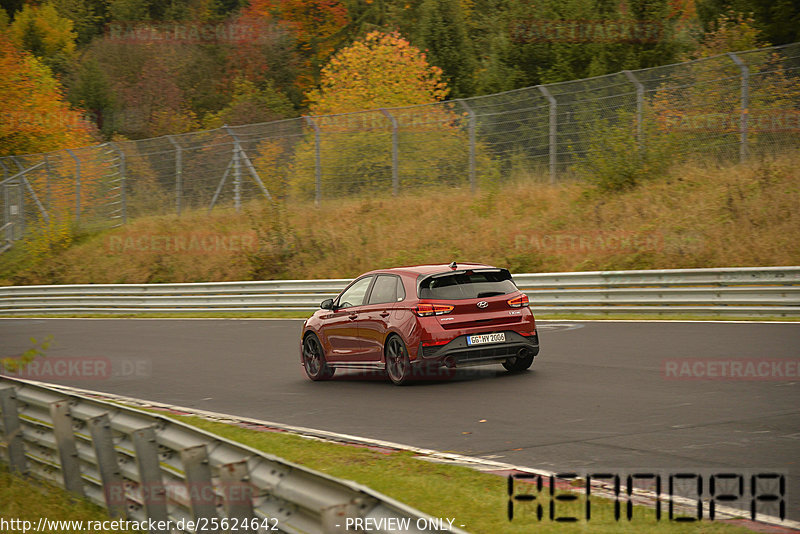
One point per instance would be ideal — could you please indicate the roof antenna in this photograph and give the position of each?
(453, 266)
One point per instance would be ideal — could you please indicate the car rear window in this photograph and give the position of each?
(467, 285)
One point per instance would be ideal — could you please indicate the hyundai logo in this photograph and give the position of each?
(483, 304)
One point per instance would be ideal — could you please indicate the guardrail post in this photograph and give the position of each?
(472, 125)
(113, 487)
(178, 173)
(395, 155)
(317, 163)
(77, 185)
(65, 443)
(198, 482)
(153, 492)
(237, 490)
(745, 103)
(553, 132)
(12, 430)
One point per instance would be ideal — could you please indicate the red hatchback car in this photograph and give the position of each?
(411, 320)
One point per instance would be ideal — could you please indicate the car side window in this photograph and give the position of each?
(385, 290)
(354, 295)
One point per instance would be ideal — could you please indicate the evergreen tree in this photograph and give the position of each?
(443, 35)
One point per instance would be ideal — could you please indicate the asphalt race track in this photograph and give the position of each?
(599, 396)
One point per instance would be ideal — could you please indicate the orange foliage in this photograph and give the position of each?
(35, 117)
(316, 24)
(383, 70)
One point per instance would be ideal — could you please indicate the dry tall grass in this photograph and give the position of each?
(697, 216)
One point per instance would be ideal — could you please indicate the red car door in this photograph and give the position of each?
(375, 316)
(340, 326)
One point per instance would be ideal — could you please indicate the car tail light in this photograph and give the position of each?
(432, 343)
(426, 310)
(518, 302)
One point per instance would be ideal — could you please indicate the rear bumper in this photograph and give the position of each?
(457, 353)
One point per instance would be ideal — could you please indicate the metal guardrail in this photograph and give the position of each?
(143, 467)
(745, 291)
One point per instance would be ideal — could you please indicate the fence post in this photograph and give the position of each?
(745, 105)
(122, 180)
(77, 185)
(178, 173)
(6, 207)
(471, 127)
(48, 198)
(553, 132)
(317, 166)
(21, 194)
(395, 174)
(237, 171)
(639, 106)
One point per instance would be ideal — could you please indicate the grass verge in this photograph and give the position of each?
(24, 499)
(696, 215)
(476, 500)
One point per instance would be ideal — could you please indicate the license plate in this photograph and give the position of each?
(482, 339)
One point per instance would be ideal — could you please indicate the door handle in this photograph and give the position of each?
(353, 316)
(384, 314)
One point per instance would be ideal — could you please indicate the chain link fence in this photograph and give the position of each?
(729, 107)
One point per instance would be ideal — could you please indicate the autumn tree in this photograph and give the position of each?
(40, 30)
(382, 70)
(36, 117)
(318, 26)
(251, 104)
(778, 21)
(356, 149)
(732, 32)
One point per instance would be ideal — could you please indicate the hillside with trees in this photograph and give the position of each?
(132, 69)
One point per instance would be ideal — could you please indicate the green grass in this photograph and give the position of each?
(29, 500)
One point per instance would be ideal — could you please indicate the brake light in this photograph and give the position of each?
(426, 310)
(436, 343)
(518, 302)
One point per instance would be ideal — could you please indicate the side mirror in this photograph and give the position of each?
(327, 304)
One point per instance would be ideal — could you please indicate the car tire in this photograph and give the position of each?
(398, 366)
(517, 364)
(314, 359)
